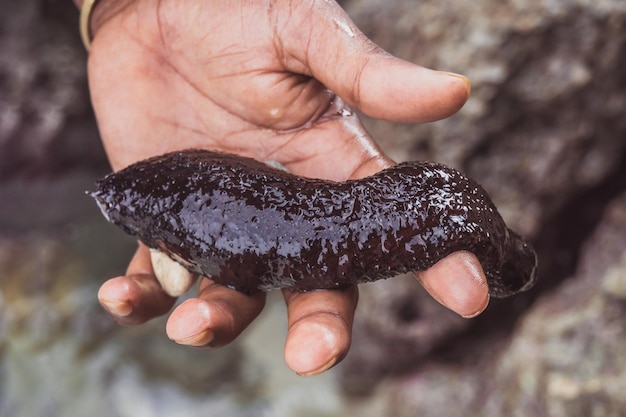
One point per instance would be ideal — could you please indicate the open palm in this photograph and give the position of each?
(276, 81)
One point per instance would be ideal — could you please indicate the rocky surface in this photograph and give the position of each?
(568, 355)
(543, 132)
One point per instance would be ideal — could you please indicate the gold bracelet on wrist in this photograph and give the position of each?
(85, 15)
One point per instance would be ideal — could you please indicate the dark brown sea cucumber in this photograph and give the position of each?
(252, 227)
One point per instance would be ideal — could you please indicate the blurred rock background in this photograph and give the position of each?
(544, 132)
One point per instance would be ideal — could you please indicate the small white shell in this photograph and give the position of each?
(172, 276)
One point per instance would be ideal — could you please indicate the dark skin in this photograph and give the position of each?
(273, 80)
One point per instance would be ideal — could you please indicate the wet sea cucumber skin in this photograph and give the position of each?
(252, 227)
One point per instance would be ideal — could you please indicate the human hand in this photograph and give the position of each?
(255, 78)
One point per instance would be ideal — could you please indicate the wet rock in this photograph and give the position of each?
(568, 357)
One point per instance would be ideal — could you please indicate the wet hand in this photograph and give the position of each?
(273, 80)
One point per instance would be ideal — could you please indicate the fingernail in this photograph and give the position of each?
(319, 370)
(117, 308)
(479, 311)
(199, 339)
(458, 282)
(466, 80)
(475, 286)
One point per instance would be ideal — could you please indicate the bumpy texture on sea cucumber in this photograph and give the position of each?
(252, 227)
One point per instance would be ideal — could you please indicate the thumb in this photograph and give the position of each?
(341, 57)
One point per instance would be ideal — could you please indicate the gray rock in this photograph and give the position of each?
(568, 357)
